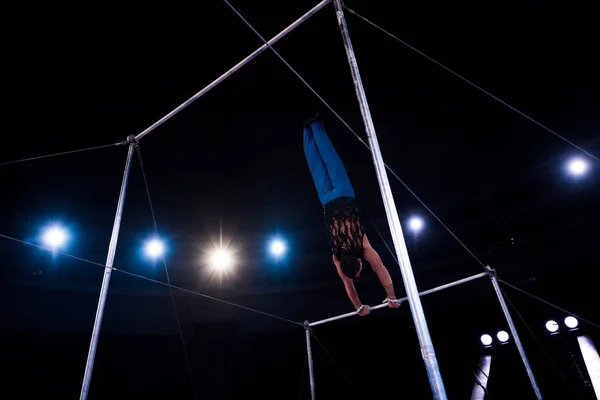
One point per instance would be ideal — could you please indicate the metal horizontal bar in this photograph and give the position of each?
(233, 69)
(429, 291)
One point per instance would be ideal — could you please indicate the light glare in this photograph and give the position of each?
(277, 247)
(486, 340)
(552, 326)
(221, 260)
(415, 224)
(55, 237)
(154, 248)
(577, 167)
(502, 336)
(571, 322)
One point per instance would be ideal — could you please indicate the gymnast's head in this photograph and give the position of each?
(351, 266)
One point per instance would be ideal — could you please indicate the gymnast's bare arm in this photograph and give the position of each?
(351, 291)
(372, 257)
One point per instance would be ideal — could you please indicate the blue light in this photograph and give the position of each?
(578, 167)
(154, 248)
(55, 237)
(277, 247)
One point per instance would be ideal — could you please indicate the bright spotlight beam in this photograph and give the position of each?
(277, 247)
(154, 248)
(55, 237)
(415, 224)
(551, 326)
(571, 322)
(502, 336)
(486, 340)
(577, 167)
(221, 260)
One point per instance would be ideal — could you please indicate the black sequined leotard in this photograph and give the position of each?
(344, 227)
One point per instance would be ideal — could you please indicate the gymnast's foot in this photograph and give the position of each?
(310, 121)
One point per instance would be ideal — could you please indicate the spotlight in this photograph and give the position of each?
(486, 340)
(552, 326)
(154, 248)
(571, 322)
(502, 336)
(277, 247)
(577, 166)
(221, 260)
(415, 224)
(55, 237)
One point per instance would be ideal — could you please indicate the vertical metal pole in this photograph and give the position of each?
(416, 308)
(311, 371)
(112, 248)
(514, 332)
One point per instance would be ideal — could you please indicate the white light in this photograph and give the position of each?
(577, 166)
(277, 247)
(571, 322)
(482, 376)
(552, 326)
(486, 340)
(55, 237)
(502, 336)
(416, 224)
(591, 360)
(154, 248)
(221, 260)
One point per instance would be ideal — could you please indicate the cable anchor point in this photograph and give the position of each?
(131, 139)
(491, 272)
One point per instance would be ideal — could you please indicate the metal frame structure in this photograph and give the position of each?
(413, 296)
(489, 272)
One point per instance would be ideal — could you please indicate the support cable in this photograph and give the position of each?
(383, 239)
(547, 302)
(540, 344)
(303, 375)
(473, 84)
(145, 278)
(333, 362)
(164, 261)
(52, 251)
(62, 153)
(353, 132)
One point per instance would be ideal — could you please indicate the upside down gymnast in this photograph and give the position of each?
(346, 234)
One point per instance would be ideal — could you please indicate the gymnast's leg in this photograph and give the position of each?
(317, 166)
(327, 169)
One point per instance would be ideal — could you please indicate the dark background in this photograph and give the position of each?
(232, 164)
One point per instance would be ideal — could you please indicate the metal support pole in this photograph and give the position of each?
(311, 372)
(112, 249)
(416, 308)
(233, 69)
(514, 332)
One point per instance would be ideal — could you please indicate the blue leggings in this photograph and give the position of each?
(326, 168)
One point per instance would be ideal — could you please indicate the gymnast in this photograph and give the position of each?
(345, 231)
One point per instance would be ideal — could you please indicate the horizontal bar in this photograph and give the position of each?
(429, 291)
(239, 65)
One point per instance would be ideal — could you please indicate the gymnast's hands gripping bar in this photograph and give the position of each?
(429, 291)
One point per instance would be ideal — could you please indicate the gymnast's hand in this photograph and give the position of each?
(393, 303)
(364, 310)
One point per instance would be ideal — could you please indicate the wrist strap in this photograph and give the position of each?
(360, 309)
